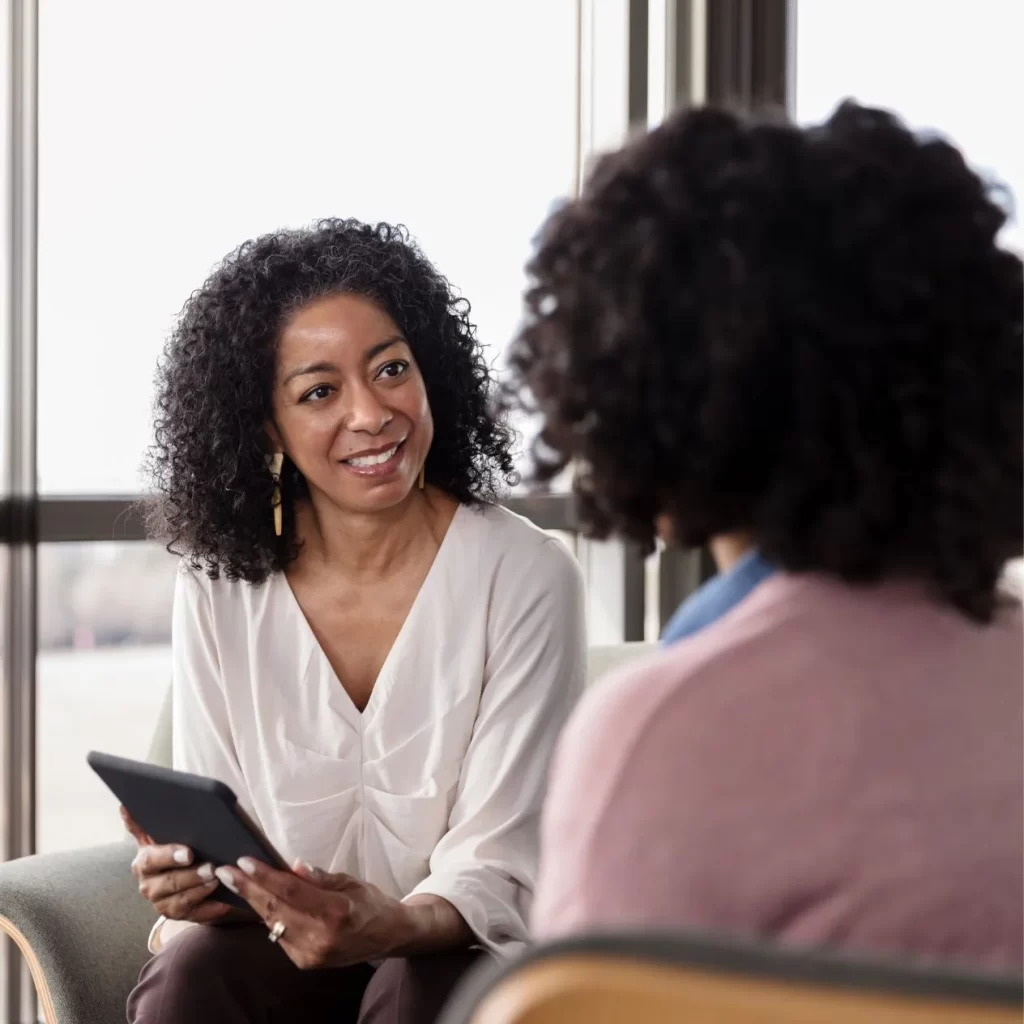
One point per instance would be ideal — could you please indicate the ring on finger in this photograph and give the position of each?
(277, 931)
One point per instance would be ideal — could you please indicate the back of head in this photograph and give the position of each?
(811, 335)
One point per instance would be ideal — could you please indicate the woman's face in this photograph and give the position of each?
(350, 407)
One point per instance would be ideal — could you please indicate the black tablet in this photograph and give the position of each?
(188, 810)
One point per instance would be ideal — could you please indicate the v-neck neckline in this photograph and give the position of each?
(338, 696)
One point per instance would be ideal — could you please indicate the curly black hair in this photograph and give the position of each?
(212, 486)
(808, 334)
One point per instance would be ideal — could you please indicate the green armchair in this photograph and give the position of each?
(80, 923)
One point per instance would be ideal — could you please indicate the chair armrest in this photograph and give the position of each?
(80, 923)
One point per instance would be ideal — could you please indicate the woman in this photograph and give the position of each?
(372, 654)
(804, 347)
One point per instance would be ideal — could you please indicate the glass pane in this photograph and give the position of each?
(103, 668)
(952, 67)
(172, 131)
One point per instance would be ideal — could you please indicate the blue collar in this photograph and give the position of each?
(717, 597)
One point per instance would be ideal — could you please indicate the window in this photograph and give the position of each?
(950, 67)
(103, 671)
(103, 668)
(170, 132)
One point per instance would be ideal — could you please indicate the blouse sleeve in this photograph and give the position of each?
(486, 863)
(202, 742)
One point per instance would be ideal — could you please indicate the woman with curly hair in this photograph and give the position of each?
(368, 650)
(803, 347)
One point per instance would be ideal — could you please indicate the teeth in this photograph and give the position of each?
(373, 460)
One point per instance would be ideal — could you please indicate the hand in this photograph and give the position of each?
(329, 920)
(166, 878)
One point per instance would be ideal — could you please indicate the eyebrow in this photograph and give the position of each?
(324, 367)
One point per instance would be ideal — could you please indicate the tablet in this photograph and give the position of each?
(188, 810)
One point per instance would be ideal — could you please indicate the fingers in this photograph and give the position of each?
(151, 860)
(134, 830)
(337, 882)
(309, 873)
(185, 905)
(209, 911)
(265, 889)
(178, 894)
(165, 884)
(285, 885)
(314, 920)
(270, 907)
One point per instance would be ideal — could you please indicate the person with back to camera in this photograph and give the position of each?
(804, 347)
(369, 651)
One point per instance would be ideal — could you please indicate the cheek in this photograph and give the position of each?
(305, 439)
(426, 428)
(418, 410)
(426, 423)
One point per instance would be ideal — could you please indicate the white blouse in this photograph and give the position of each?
(436, 787)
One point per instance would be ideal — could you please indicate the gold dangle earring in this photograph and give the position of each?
(423, 475)
(276, 465)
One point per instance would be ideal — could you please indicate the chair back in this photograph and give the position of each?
(694, 980)
(605, 658)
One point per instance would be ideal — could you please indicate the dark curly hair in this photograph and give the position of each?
(810, 335)
(213, 488)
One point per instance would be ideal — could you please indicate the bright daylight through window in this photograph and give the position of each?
(151, 169)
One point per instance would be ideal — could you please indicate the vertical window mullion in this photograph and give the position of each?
(18, 564)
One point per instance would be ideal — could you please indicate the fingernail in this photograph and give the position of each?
(247, 864)
(182, 856)
(205, 872)
(301, 865)
(225, 879)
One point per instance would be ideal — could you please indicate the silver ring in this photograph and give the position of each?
(277, 931)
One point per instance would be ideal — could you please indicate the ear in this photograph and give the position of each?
(273, 436)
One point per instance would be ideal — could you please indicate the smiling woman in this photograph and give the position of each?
(369, 651)
(342, 358)
(222, 382)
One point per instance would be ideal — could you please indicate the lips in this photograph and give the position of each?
(384, 462)
(363, 461)
(376, 458)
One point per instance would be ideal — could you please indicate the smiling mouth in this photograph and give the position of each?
(377, 459)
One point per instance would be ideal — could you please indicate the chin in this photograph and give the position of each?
(377, 498)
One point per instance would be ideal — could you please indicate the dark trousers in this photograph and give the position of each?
(234, 975)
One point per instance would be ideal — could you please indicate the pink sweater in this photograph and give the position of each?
(823, 765)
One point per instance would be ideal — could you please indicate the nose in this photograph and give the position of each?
(366, 413)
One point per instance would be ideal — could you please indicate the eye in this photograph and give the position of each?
(317, 394)
(390, 371)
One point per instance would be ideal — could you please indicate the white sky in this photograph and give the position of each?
(172, 130)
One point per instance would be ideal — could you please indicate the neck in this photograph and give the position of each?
(367, 544)
(729, 548)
